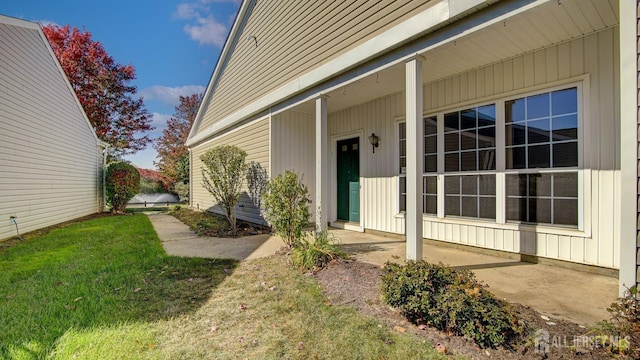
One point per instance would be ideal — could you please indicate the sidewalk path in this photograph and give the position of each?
(177, 239)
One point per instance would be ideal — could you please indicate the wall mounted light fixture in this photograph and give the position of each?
(375, 141)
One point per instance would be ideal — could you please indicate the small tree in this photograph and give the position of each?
(256, 182)
(122, 184)
(222, 175)
(285, 203)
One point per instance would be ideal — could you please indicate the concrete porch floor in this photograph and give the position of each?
(557, 292)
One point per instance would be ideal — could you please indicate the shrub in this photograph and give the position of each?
(450, 300)
(285, 203)
(316, 253)
(621, 334)
(182, 190)
(223, 174)
(122, 184)
(256, 182)
(150, 187)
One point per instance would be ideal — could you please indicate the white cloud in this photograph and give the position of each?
(160, 121)
(203, 26)
(169, 95)
(46, 22)
(207, 31)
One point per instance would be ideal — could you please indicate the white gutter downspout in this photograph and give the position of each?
(104, 175)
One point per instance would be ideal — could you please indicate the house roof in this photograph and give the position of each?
(44, 49)
(278, 49)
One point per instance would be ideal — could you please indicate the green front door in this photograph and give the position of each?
(348, 174)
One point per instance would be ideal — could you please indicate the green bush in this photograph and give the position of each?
(316, 253)
(222, 175)
(285, 204)
(450, 300)
(182, 190)
(122, 184)
(150, 187)
(621, 334)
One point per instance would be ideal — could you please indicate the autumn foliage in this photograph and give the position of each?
(103, 88)
(122, 184)
(171, 148)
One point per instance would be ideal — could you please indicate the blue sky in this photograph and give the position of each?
(173, 45)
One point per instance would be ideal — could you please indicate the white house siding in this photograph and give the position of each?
(252, 138)
(48, 151)
(292, 38)
(593, 58)
(294, 130)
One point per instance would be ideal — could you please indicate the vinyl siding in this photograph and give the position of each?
(593, 58)
(49, 159)
(292, 38)
(293, 148)
(252, 138)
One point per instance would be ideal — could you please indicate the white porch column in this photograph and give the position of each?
(413, 214)
(628, 144)
(322, 164)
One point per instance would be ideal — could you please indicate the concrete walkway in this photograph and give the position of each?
(556, 292)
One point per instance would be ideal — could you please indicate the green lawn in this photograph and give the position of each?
(104, 288)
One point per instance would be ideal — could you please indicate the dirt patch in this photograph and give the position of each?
(215, 225)
(357, 284)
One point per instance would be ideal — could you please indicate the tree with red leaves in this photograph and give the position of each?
(171, 148)
(103, 88)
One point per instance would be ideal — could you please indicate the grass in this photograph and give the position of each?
(104, 288)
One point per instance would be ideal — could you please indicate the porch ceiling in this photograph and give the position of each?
(545, 25)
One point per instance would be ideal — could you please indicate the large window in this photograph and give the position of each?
(430, 157)
(538, 159)
(541, 132)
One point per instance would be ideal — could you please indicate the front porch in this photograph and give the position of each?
(578, 296)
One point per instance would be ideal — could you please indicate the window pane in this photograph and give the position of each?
(468, 140)
(565, 154)
(514, 134)
(516, 158)
(451, 122)
(430, 126)
(451, 142)
(539, 156)
(538, 131)
(403, 190)
(538, 106)
(564, 101)
(403, 148)
(468, 161)
(451, 162)
(487, 137)
(487, 159)
(516, 209)
(403, 130)
(403, 202)
(565, 185)
(430, 145)
(430, 163)
(486, 115)
(540, 210)
(565, 128)
(468, 119)
(452, 185)
(487, 184)
(516, 185)
(488, 207)
(565, 212)
(431, 204)
(469, 185)
(514, 110)
(539, 185)
(431, 184)
(452, 205)
(469, 206)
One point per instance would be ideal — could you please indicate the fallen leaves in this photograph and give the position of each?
(242, 306)
(399, 329)
(300, 346)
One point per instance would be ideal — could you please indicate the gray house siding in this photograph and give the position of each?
(49, 154)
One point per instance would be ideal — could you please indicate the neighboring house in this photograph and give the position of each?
(50, 158)
(502, 125)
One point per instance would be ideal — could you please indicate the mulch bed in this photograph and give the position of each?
(357, 284)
